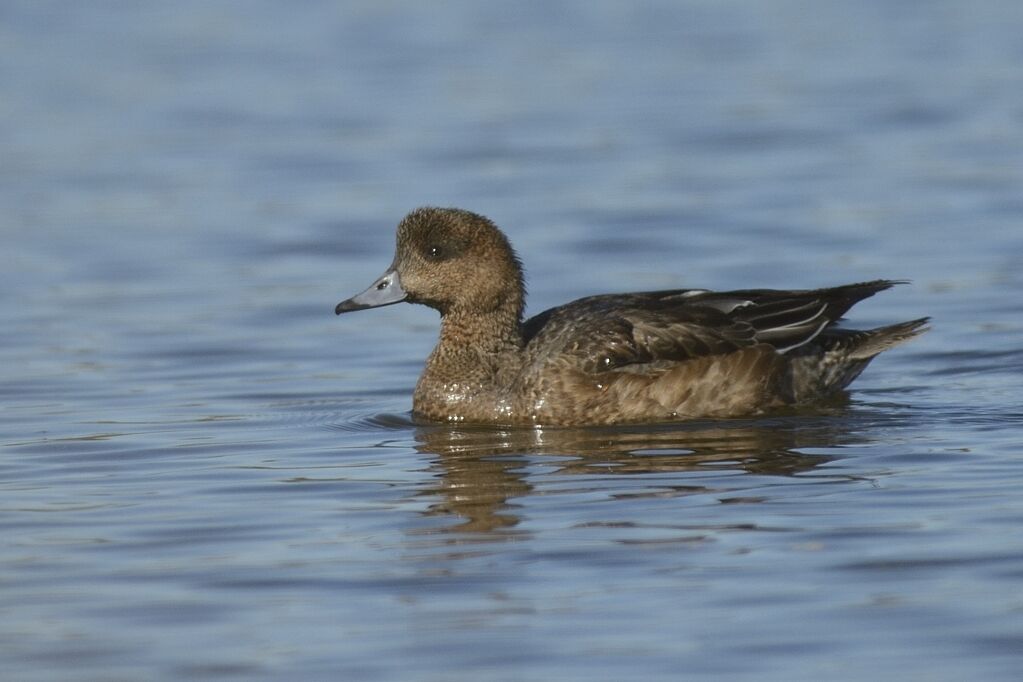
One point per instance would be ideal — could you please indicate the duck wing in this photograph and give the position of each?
(614, 331)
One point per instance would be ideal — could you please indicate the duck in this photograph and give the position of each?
(647, 357)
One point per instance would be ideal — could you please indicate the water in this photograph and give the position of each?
(206, 475)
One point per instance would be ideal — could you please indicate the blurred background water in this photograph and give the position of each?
(205, 475)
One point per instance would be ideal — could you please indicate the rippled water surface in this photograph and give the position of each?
(205, 475)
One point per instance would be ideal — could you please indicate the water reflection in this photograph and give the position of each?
(482, 469)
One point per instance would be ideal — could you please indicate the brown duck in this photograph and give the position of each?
(617, 358)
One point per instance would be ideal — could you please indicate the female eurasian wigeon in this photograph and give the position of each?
(616, 358)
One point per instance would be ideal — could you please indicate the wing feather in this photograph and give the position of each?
(615, 331)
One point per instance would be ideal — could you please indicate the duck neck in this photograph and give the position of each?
(493, 331)
(478, 352)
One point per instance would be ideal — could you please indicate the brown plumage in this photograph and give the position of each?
(615, 358)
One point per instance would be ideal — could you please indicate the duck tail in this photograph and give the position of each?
(867, 344)
(842, 354)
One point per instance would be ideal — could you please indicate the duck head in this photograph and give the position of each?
(451, 260)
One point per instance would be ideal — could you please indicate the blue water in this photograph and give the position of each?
(205, 475)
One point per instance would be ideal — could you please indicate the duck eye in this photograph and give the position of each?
(444, 248)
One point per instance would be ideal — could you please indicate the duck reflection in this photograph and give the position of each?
(481, 469)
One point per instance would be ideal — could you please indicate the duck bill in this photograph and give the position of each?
(385, 291)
